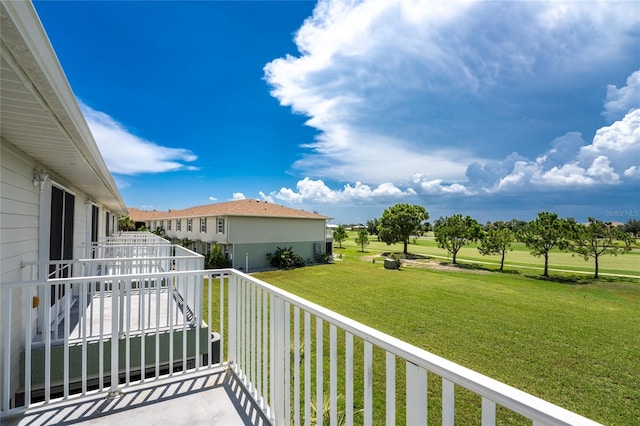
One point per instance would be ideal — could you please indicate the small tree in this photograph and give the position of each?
(362, 239)
(217, 259)
(632, 227)
(372, 226)
(595, 239)
(401, 221)
(340, 234)
(496, 241)
(544, 233)
(452, 233)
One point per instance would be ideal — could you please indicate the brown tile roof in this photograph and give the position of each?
(232, 208)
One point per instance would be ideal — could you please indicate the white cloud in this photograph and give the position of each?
(128, 154)
(632, 172)
(620, 101)
(265, 197)
(399, 87)
(309, 190)
(238, 196)
(213, 199)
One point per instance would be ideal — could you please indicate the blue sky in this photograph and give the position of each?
(498, 110)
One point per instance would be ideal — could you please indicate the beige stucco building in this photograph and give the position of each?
(246, 230)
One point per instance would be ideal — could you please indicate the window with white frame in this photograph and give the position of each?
(189, 224)
(169, 225)
(220, 225)
(178, 225)
(203, 224)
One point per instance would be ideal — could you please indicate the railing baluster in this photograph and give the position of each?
(278, 368)
(259, 352)
(272, 359)
(265, 349)
(348, 367)
(368, 383)
(252, 339)
(47, 343)
(27, 345)
(416, 394)
(6, 345)
(232, 356)
(127, 342)
(67, 320)
(286, 349)
(171, 322)
(296, 366)
(448, 403)
(391, 389)
(488, 412)
(307, 368)
(157, 346)
(86, 292)
(319, 374)
(115, 328)
(142, 285)
(333, 374)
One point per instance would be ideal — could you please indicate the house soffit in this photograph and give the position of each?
(39, 113)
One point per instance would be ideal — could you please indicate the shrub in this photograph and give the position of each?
(285, 258)
(322, 257)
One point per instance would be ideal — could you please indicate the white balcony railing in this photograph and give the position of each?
(269, 339)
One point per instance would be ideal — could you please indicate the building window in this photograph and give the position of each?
(178, 225)
(203, 224)
(189, 224)
(220, 225)
(169, 225)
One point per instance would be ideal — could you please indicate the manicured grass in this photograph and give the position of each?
(576, 345)
(515, 259)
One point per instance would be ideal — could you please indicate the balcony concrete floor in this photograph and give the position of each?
(211, 398)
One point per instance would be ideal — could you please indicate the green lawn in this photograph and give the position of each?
(570, 340)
